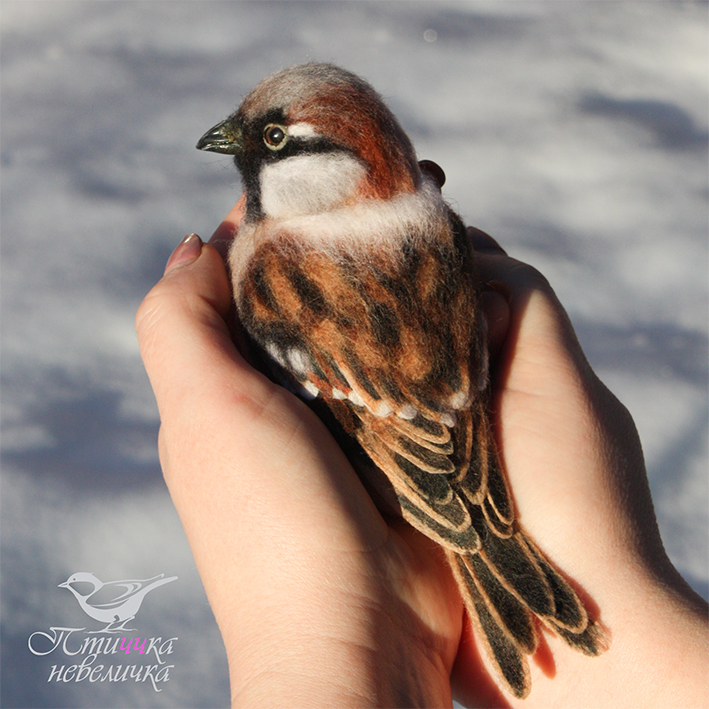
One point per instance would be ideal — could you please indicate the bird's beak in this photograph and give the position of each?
(63, 585)
(226, 137)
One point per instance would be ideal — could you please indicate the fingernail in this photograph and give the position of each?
(186, 251)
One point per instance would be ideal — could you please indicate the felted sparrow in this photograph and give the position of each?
(358, 283)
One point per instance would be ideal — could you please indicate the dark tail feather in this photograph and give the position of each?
(506, 653)
(507, 583)
(513, 615)
(569, 613)
(592, 641)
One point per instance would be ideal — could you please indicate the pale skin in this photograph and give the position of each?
(324, 602)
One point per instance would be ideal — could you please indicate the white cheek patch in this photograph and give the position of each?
(309, 184)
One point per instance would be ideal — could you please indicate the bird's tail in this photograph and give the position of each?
(505, 586)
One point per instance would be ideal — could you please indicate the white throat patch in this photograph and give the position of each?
(309, 184)
(353, 229)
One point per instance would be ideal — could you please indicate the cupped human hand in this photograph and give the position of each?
(575, 464)
(320, 600)
(324, 601)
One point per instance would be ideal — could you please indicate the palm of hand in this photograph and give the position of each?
(305, 574)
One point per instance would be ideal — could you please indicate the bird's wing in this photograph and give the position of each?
(390, 345)
(396, 354)
(113, 594)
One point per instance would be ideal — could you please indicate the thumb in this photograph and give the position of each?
(183, 334)
(228, 434)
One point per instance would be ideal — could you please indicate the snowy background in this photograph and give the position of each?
(576, 133)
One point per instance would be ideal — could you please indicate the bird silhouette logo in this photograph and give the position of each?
(114, 602)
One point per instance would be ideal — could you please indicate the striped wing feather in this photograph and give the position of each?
(391, 348)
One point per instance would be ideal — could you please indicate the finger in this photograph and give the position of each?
(483, 242)
(185, 252)
(508, 275)
(545, 391)
(538, 323)
(539, 336)
(496, 310)
(183, 337)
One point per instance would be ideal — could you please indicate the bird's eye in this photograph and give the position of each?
(274, 136)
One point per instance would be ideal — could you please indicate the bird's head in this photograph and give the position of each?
(312, 138)
(81, 578)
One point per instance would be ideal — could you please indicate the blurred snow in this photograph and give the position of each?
(576, 133)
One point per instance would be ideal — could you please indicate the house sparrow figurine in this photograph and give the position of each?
(357, 284)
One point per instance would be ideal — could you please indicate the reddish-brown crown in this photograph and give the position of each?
(348, 112)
